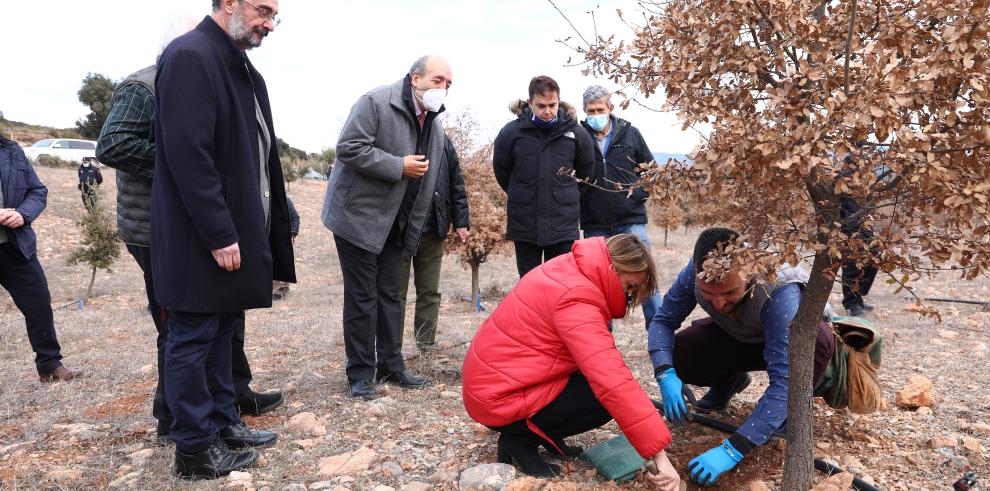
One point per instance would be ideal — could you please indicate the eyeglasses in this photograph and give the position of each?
(265, 13)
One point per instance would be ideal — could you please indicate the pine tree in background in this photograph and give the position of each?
(98, 248)
(95, 93)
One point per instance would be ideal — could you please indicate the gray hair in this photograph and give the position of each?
(216, 5)
(595, 93)
(176, 28)
(419, 66)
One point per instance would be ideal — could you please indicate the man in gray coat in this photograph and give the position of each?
(379, 193)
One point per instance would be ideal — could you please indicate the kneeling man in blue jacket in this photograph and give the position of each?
(746, 330)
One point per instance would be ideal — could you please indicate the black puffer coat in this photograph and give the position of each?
(601, 209)
(543, 205)
(450, 201)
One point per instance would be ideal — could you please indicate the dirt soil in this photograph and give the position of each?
(94, 432)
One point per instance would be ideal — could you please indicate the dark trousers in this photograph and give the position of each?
(25, 280)
(199, 385)
(529, 255)
(89, 196)
(574, 411)
(856, 282)
(372, 308)
(159, 314)
(704, 355)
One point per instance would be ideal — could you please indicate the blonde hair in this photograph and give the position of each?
(630, 255)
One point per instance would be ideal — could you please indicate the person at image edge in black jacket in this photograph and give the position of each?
(532, 159)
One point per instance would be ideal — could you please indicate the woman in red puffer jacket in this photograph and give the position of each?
(544, 365)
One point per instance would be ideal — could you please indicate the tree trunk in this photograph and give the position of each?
(799, 467)
(665, 230)
(92, 279)
(475, 288)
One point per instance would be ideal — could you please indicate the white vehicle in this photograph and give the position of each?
(63, 148)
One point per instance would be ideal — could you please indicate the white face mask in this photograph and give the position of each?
(433, 99)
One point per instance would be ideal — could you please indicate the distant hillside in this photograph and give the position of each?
(662, 157)
(27, 134)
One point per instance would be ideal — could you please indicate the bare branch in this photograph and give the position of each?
(849, 38)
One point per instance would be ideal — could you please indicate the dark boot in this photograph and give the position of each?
(238, 436)
(717, 398)
(161, 435)
(214, 462)
(570, 451)
(60, 374)
(523, 450)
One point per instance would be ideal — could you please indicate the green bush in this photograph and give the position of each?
(98, 248)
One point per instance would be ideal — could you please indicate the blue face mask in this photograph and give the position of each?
(544, 124)
(598, 122)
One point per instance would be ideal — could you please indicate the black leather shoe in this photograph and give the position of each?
(216, 461)
(255, 404)
(717, 398)
(403, 379)
(363, 388)
(238, 436)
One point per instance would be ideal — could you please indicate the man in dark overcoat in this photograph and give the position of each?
(220, 225)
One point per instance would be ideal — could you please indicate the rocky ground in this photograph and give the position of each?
(98, 432)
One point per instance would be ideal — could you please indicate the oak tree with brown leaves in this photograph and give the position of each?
(485, 199)
(788, 89)
(668, 216)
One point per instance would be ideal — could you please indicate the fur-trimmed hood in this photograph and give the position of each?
(520, 107)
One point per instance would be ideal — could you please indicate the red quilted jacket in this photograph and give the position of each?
(555, 323)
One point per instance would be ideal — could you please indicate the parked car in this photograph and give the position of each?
(63, 148)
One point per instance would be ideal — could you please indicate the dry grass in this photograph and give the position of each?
(297, 347)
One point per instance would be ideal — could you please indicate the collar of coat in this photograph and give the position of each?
(566, 116)
(234, 56)
(593, 261)
(401, 98)
(619, 126)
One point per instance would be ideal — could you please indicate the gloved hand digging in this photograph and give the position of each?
(707, 467)
(671, 390)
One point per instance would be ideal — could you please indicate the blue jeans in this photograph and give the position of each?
(651, 304)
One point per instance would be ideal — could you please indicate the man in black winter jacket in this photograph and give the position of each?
(90, 179)
(619, 151)
(533, 158)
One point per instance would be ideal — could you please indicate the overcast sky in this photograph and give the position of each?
(322, 57)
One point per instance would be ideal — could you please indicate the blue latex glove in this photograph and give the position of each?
(672, 391)
(706, 467)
